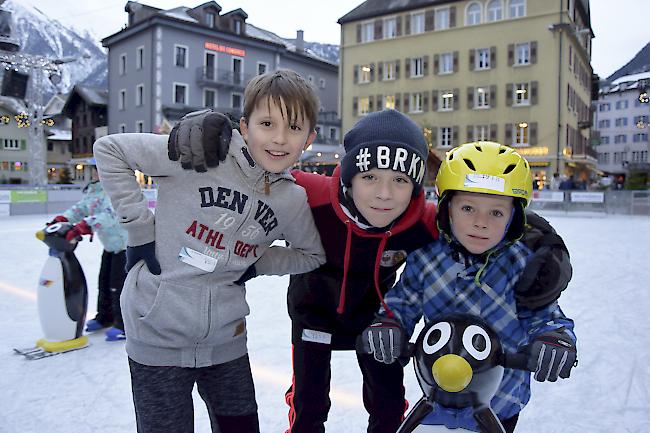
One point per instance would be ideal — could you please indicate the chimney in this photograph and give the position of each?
(300, 41)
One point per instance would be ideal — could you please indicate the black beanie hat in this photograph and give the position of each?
(386, 140)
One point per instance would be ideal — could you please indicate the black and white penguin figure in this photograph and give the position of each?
(62, 292)
(458, 363)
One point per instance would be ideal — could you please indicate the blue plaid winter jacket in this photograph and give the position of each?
(438, 279)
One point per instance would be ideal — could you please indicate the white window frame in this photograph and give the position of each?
(446, 63)
(266, 68)
(139, 57)
(364, 74)
(207, 53)
(122, 64)
(493, 13)
(417, 20)
(389, 102)
(139, 126)
(416, 102)
(232, 68)
(389, 28)
(185, 96)
(185, 57)
(521, 134)
(417, 67)
(238, 27)
(516, 8)
(367, 31)
(364, 106)
(139, 95)
(475, 18)
(440, 23)
(481, 132)
(446, 101)
(445, 136)
(11, 144)
(389, 72)
(121, 128)
(210, 19)
(481, 97)
(121, 99)
(334, 136)
(522, 54)
(519, 89)
(482, 59)
(205, 91)
(241, 100)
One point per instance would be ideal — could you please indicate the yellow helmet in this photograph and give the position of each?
(487, 167)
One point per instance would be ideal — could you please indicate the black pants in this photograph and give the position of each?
(510, 423)
(162, 397)
(308, 397)
(111, 280)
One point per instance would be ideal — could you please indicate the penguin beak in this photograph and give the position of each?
(452, 373)
(40, 235)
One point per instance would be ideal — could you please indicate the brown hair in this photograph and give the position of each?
(285, 88)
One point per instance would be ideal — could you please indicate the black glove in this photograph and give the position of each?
(552, 355)
(146, 252)
(200, 139)
(384, 339)
(548, 271)
(247, 275)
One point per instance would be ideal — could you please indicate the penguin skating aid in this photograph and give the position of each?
(62, 297)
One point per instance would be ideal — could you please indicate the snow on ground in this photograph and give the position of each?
(89, 390)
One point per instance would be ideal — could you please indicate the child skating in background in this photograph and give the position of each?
(183, 311)
(473, 268)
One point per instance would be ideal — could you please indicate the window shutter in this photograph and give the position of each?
(533, 92)
(23, 144)
(492, 97)
(509, 141)
(407, 24)
(436, 64)
(425, 65)
(470, 98)
(358, 33)
(428, 20)
(379, 29)
(356, 74)
(456, 98)
(533, 52)
(455, 61)
(380, 71)
(434, 100)
(454, 136)
(509, 95)
(405, 97)
(452, 17)
(472, 55)
(425, 101)
(371, 100)
(355, 106)
(372, 72)
(493, 132)
(470, 133)
(380, 102)
(493, 57)
(407, 67)
(397, 63)
(398, 105)
(398, 25)
(532, 136)
(434, 136)
(511, 54)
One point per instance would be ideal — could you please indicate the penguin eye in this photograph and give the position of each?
(436, 337)
(477, 342)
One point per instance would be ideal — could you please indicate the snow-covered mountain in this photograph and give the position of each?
(38, 34)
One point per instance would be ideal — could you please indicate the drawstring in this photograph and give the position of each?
(477, 278)
(380, 253)
(346, 263)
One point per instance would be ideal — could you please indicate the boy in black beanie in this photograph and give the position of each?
(370, 214)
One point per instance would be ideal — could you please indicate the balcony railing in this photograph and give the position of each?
(210, 77)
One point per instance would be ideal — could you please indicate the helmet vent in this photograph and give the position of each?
(509, 168)
(502, 150)
(478, 147)
(469, 164)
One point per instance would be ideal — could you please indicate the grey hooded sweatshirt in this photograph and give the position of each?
(209, 228)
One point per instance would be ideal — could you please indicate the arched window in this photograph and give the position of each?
(473, 14)
(516, 8)
(494, 11)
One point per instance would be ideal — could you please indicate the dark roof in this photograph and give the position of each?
(93, 96)
(375, 8)
(238, 11)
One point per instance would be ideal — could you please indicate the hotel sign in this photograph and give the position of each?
(224, 49)
(532, 151)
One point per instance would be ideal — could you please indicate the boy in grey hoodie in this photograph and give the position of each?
(183, 311)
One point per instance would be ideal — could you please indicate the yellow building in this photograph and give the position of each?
(513, 71)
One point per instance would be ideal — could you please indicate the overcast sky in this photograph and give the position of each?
(621, 26)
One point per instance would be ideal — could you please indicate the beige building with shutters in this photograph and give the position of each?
(513, 71)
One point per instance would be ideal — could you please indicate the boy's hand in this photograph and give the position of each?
(77, 231)
(146, 252)
(552, 355)
(200, 139)
(249, 273)
(384, 339)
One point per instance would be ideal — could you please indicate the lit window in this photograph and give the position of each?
(482, 97)
(521, 94)
(521, 134)
(364, 106)
(364, 76)
(389, 102)
(446, 101)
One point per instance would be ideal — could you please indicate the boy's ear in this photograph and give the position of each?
(310, 139)
(243, 127)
